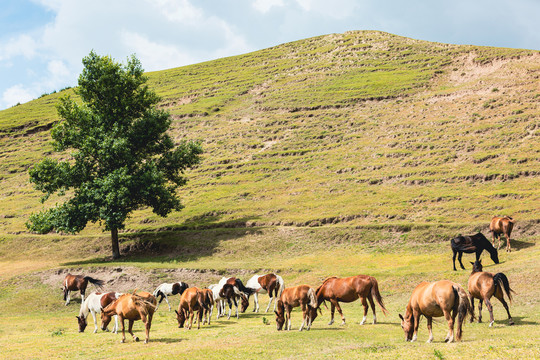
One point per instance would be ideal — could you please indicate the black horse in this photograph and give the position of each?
(472, 244)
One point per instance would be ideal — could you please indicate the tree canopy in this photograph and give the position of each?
(120, 155)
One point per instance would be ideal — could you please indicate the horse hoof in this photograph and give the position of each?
(511, 322)
(136, 338)
(331, 322)
(491, 323)
(145, 341)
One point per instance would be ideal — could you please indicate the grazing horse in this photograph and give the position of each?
(208, 297)
(132, 307)
(93, 305)
(270, 284)
(302, 295)
(484, 285)
(349, 289)
(439, 298)
(226, 292)
(193, 299)
(499, 226)
(472, 244)
(165, 290)
(78, 283)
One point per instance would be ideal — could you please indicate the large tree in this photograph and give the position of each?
(120, 157)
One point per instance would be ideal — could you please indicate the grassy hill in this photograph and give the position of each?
(351, 153)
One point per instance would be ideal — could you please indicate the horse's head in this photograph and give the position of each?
(280, 315)
(495, 256)
(313, 313)
(106, 315)
(82, 323)
(181, 317)
(477, 266)
(245, 303)
(407, 324)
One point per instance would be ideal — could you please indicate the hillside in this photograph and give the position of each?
(361, 127)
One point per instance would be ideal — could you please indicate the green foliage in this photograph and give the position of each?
(122, 157)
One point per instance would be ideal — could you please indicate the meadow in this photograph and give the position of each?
(345, 154)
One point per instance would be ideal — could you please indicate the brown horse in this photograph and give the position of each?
(484, 285)
(192, 299)
(132, 307)
(499, 226)
(208, 298)
(78, 283)
(302, 295)
(439, 298)
(349, 289)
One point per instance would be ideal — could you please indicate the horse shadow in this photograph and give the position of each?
(519, 320)
(167, 340)
(519, 245)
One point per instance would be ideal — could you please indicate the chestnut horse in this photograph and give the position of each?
(302, 295)
(208, 297)
(192, 299)
(439, 298)
(349, 289)
(499, 226)
(78, 283)
(132, 307)
(484, 285)
(270, 284)
(472, 244)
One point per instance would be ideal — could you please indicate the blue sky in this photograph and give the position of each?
(42, 42)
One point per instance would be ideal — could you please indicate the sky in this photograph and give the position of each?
(42, 42)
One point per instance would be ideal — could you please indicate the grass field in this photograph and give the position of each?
(345, 154)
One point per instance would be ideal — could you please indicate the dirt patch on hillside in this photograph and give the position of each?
(129, 278)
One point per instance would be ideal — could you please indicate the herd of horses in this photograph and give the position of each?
(435, 299)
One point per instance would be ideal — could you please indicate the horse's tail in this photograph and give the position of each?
(463, 307)
(312, 298)
(377, 295)
(240, 285)
(501, 280)
(157, 291)
(98, 283)
(145, 303)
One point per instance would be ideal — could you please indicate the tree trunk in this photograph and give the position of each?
(115, 247)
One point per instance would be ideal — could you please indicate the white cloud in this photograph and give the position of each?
(22, 45)
(264, 5)
(16, 94)
(179, 11)
(336, 9)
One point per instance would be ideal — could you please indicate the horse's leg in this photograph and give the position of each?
(454, 259)
(67, 297)
(130, 329)
(501, 299)
(82, 296)
(289, 308)
(459, 259)
(450, 319)
(490, 309)
(370, 298)
(167, 300)
(123, 329)
(480, 311)
(256, 306)
(472, 307)
(95, 321)
(235, 306)
(303, 317)
(271, 296)
(148, 324)
(416, 316)
(309, 317)
(508, 247)
(332, 310)
(340, 313)
(364, 303)
(429, 322)
(210, 315)
(115, 330)
(191, 314)
(230, 308)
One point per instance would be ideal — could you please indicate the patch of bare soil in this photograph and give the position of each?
(129, 278)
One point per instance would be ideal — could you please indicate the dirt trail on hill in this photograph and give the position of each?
(129, 278)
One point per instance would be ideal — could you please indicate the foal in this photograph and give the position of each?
(192, 299)
(302, 295)
(484, 285)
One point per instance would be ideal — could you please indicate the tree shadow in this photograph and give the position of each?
(182, 243)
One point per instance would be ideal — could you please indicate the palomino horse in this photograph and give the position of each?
(192, 299)
(93, 305)
(165, 290)
(499, 226)
(270, 284)
(302, 295)
(439, 298)
(472, 244)
(132, 307)
(78, 283)
(484, 285)
(349, 289)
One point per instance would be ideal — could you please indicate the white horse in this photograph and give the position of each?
(93, 305)
(270, 284)
(165, 289)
